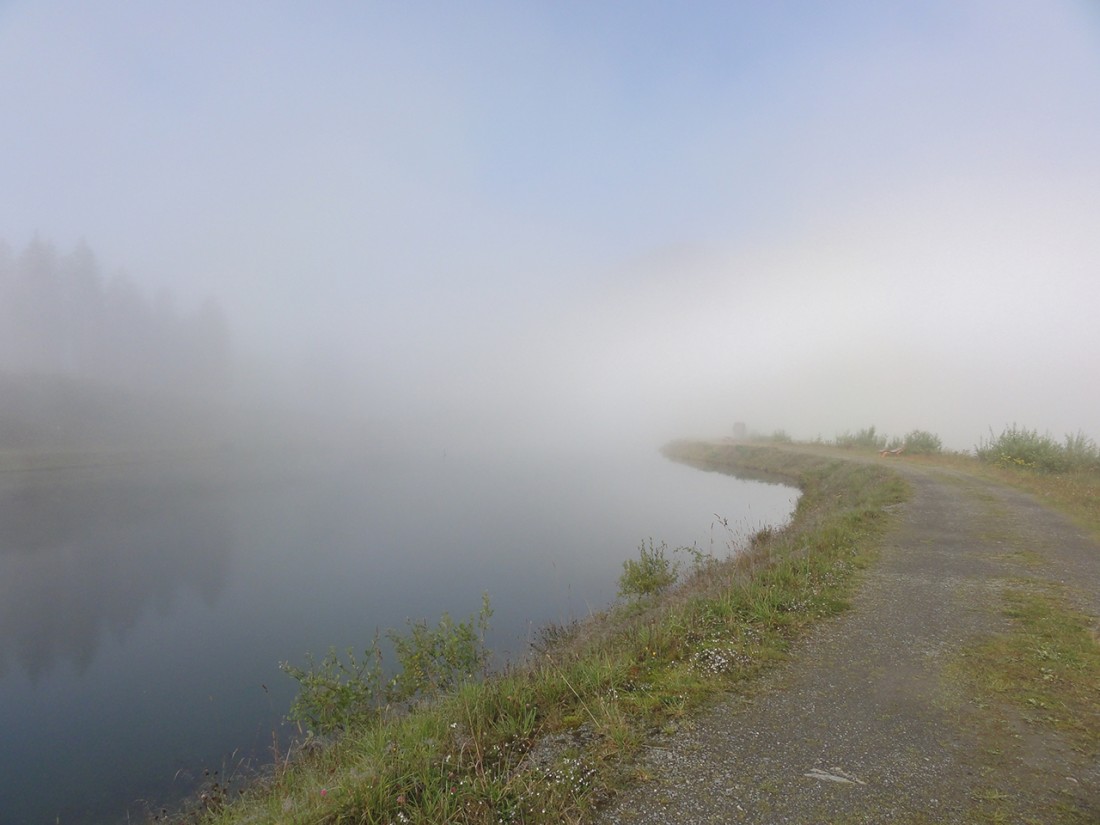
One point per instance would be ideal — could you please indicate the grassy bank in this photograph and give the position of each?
(550, 739)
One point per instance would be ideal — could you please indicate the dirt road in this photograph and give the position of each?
(869, 722)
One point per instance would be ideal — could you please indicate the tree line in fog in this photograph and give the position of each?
(59, 315)
(92, 358)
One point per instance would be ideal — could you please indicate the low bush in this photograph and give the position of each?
(1020, 447)
(652, 573)
(340, 692)
(922, 442)
(1081, 452)
(866, 438)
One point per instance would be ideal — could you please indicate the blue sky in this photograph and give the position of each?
(655, 217)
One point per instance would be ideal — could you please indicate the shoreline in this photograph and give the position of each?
(584, 702)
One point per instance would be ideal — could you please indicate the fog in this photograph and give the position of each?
(528, 226)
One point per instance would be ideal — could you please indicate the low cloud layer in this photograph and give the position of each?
(563, 222)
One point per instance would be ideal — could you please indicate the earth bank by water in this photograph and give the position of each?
(867, 722)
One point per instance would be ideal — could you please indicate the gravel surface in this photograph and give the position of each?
(865, 723)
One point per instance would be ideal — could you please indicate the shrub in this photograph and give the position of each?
(340, 692)
(922, 442)
(1082, 452)
(865, 438)
(433, 661)
(650, 574)
(1020, 447)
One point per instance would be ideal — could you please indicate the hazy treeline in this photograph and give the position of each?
(60, 316)
(86, 358)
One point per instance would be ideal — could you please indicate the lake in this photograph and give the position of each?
(144, 610)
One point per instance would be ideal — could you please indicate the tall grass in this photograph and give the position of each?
(921, 442)
(652, 572)
(866, 438)
(1020, 447)
(916, 442)
(549, 739)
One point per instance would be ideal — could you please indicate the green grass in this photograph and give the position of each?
(550, 739)
(866, 438)
(1047, 665)
(1021, 447)
(649, 575)
(1040, 676)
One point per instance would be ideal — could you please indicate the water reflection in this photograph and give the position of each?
(87, 552)
(143, 611)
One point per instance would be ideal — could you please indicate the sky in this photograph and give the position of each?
(592, 219)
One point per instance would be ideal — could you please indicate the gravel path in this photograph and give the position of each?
(865, 723)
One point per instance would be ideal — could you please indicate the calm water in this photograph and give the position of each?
(144, 611)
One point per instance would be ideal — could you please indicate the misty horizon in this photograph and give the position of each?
(317, 319)
(100, 339)
(544, 225)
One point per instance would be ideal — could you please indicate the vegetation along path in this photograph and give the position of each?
(959, 687)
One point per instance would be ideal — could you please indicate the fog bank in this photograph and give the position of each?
(530, 227)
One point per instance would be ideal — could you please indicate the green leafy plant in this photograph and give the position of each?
(650, 574)
(337, 692)
(700, 560)
(922, 442)
(435, 660)
(340, 692)
(866, 438)
(1020, 447)
(1081, 452)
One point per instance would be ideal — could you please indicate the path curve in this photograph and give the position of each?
(865, 724)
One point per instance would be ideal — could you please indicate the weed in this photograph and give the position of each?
(917, 442)
(433, 661)
(1018, 447)
(866, 438)
(1081, 452)
(922, 442)
(700, 559)
(649, 575)
(340, 692)
(337, 692)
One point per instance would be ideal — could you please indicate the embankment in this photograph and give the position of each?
(561, 736)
